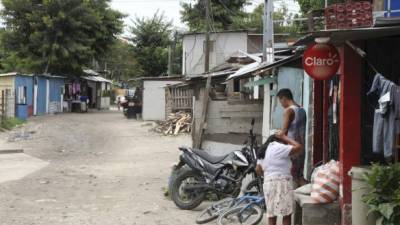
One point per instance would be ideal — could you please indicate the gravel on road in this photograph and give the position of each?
(103, 170)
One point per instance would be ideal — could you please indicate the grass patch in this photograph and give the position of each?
(11, 123)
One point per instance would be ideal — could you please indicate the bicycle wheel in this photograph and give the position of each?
(243, 215)
(213, 211)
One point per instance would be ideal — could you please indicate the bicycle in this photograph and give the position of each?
(248, 214)
(220, 207)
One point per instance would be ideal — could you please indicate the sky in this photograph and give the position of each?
(171, 8)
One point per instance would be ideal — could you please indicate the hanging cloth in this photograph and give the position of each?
(396, 104)
(384, 130)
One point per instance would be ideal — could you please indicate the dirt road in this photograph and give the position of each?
(103, 170)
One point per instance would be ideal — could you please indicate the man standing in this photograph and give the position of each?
(294, 126)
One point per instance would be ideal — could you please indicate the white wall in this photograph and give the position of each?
(154, 99)
(225, 45)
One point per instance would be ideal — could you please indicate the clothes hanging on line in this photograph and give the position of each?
(333, 116)
(385, 124)
(396, 102)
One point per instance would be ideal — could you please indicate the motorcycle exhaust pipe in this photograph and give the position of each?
(192, 187)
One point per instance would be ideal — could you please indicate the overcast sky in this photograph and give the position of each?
(171, 8)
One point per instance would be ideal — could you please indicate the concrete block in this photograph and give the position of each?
(308, 213)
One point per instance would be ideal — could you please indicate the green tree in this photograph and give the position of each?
(223, 14)
(308, 5)
(254, 20)
(57, 36)
(120, 61)
(151, 38)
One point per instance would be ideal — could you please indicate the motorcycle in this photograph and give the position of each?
(200, 173)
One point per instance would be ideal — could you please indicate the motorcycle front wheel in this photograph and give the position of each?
(187, 200)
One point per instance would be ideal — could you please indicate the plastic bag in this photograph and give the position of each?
(325, 183)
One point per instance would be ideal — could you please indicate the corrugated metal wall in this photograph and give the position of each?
(41, 97)
(25, 81)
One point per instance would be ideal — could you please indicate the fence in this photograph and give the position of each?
(181, 99)
(178, 99)
(6, 104)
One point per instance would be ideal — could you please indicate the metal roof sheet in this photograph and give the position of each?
(213, 75)
(264, 66)
(340, 36)
(96, 79)
(15, 74)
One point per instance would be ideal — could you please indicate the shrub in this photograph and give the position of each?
(384, 198)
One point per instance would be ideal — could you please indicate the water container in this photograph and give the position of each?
(359, 189)
(22, 111)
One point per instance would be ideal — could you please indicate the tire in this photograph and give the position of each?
(254, 215)
(253, 185)
(174, 174)
(195, 198)
(212, 212)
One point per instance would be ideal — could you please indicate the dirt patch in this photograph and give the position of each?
(104, 170)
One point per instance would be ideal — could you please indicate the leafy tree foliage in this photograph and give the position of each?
(151, 38)
(120, 61)
(223, 14)
(309, 5)
(254, 21)
(57, 36)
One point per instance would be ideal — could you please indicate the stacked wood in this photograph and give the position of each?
(176, 123)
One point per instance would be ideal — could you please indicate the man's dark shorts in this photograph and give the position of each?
(298, 166)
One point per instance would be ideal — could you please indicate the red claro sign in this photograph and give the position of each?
(321, 61)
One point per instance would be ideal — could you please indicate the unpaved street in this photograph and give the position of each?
(103, 170)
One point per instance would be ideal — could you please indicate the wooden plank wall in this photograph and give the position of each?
(179, 99)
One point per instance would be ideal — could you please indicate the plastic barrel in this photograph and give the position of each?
(359, 189)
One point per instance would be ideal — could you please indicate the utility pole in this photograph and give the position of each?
(268, 57)
(207, 47)
(171, 54)
(198, 137)
(268, 36)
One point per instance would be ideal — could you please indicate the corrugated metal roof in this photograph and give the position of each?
(96, 79)
(340, 36)
(91, 72)
(51, 76)
(14, 74)
(213, 75)
(264, 66)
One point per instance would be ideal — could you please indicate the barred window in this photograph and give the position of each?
(21, 95)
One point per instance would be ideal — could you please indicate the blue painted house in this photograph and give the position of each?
(20, 87)
(32, 94)
(48, 94)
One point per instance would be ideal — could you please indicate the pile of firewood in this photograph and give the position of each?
(180, 122)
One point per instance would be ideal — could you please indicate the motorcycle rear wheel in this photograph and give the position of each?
(183, 199)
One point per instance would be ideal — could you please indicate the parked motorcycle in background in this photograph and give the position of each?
(131, 105)
(199, 173)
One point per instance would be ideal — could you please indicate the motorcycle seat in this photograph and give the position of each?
(210, 158)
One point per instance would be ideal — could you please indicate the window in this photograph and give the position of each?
(21, 95)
